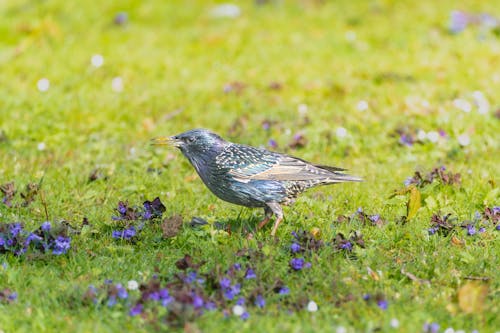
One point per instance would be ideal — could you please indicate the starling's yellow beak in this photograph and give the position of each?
(166, 140)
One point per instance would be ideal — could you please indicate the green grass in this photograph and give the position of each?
(175, 60)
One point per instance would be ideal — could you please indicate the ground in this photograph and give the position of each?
(381, 88)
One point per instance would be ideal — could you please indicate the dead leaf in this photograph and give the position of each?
(414, 203)
(456, 241)
(316, 232)
(471, 297)
(171, 226)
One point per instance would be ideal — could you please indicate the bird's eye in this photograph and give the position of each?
(190, 139)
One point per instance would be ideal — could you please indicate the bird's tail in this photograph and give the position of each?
(338, 176)
(342, 177)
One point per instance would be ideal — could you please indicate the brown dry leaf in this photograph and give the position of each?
(471, 297)
(316, 232)
(171, 226)
(374, 275)
(456, 241)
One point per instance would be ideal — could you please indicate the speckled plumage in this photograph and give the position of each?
(250, 176)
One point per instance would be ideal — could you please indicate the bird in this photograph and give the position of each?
(249, 176)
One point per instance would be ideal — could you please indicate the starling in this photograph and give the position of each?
(250, 176)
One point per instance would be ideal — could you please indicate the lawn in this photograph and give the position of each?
(404, 94)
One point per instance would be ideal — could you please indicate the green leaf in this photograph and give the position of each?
(414, 203)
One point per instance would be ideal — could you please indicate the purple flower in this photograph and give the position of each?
(210, 306)
(245, 315)
(136, 309)
(129, 233)
(2, 241)
(346, 246)
(237, 266)
(197, 301)
(431, 328)
(61, 245)
(442, 133)
(111, 301)
(260, 302)
(496, 210)
(458, 21)
(432, 230)
(165, 297)
(32, 238)
(154, 296)
(367, 297)
(46, 226)
(120, 18)
(117, 234)
(12, 296)
(122, 208)
(240, 301)
(295, 247)
(383, 304)
(481, 230)
(147, 215)
(471, 230)
(497, 227)
(272, 143)
(374, 218)
(231, 292)
(15, 229)
(408, 181)
(284, 290)
(225, 283)
(406, 140)
(298, 263)
(250, 274)
(121, 291)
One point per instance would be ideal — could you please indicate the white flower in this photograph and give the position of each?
(341, 329)
(302, 108)
(312, 306)
(421, 135)
(463, 140)
(226, 10)
(350, 36)
(41, 146)
(132, 285)
(238, 310)
(97, 60)
(341, 132)
(483, 106)
(362, 106)
(433, 136)
(462, 104)
(394, 323)
(43, 84)
(117, 84)
(449, 330)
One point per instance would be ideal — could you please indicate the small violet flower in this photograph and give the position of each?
(383, 304)
(46, 226)
(136, 310)
(62, 245)
(295, 247)
(250, 274)
(299, 263)
(260, 302)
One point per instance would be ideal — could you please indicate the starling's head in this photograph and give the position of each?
(194, 143)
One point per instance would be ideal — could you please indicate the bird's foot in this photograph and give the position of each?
(275, 226)
(264, 222)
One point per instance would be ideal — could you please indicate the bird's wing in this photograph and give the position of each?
(249, 163)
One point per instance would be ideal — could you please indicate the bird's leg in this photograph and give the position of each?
(278, 211)
(268, 213)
